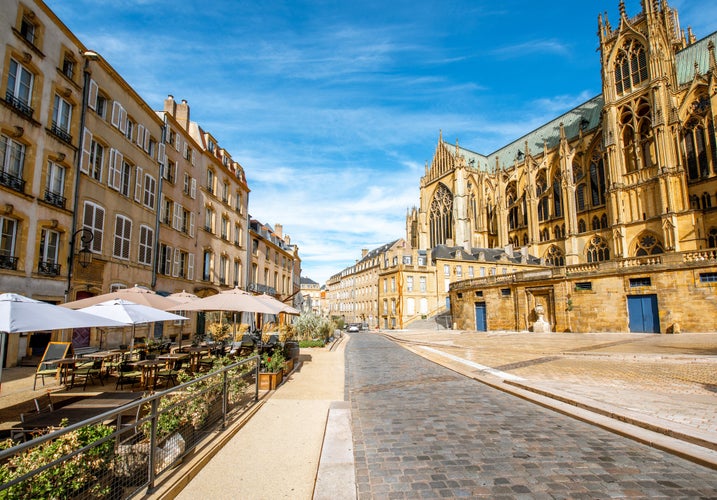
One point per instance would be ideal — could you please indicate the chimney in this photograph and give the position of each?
(170, 106)
(183, 114)
(364, 252)
(279, 230)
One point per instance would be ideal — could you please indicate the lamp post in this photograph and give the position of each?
(88, 56)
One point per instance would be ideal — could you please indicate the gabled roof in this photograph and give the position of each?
(307, 281)
(696, 53)
(480, 255)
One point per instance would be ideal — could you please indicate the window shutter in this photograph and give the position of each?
(127, 238)
(177, 221)
(116, 112)
(86, 151)
(175, 269)
(111, 167)
(190, 266)
(149, 186)
(140, 135)
(99, 225)
(117, 250)
(168, 261)
(161, 154)
(123, 120)
(193, 192)
(138, 184)
(192, 157)
(146, 140)
(191, 224)
(92, 95)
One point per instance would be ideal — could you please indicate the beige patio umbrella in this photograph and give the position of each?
(137, 294)
(182, 298)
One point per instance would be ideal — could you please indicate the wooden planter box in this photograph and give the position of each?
(269, 381)
(288, 366)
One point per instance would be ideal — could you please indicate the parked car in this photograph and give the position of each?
(353, 328)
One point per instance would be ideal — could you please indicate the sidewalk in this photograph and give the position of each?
(276, 453)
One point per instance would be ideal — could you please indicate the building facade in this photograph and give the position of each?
(622, 188)
(275, 263)
(310, 296)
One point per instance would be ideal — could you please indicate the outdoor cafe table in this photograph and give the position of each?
(149, 369)
(170, 359)
(65, 365)
(195, 354)
(78, 411)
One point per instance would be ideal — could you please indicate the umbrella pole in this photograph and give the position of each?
(3, 338)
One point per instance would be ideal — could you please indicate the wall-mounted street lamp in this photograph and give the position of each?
(84, 256)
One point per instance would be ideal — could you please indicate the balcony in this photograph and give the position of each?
(55, 199)
(18, 105)
(8, 262)
(48, 268)
(12, 182)
(60, 133)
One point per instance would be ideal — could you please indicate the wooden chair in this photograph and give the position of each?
(169, 374)
(88, 371)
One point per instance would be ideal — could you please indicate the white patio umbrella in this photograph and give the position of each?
(182, 298)
(23, 314)
(137, 294)
(235, 300)
(129, 313)
(279, 306)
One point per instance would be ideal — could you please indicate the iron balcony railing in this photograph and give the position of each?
(11, 181)
(55, 199)
(8, 262)
(60, 133)
(18, 104)
(48, 268)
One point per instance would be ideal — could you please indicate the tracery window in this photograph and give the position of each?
(581, 226)
(580, 197)
(603, 221)
(554, 257)
(441, 216)
(597, 178)
(595, 223)
(706, 200)
(700, 153)
(511, 198)
(638, 141)
(597, 250)
(648, 244)
(630, 66)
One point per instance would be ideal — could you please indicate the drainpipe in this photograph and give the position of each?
(88, 56)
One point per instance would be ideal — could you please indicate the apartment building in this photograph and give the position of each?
(310, 300)
(275, 263)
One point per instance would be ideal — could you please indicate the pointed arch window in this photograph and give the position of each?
(511, 198)
(541, 190)
(648, 244)
(554, 257)
(700, 148)
(712, 238)
(441, 216)
(597, 179)
(557, 195)
(581, 226)
(597, 250)
(630, 66)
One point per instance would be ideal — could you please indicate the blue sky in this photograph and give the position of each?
(334, 107)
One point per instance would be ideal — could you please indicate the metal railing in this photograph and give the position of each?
(92, 459)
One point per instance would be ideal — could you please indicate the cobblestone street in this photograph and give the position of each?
(424, 431)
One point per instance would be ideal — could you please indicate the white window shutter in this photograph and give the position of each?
(139, 172)
(193, 192)
(146, 140)
(191, 224)
(161, 154)
(123, 120)
(117, 174)
(86, 150)
(116, 112)
(175, 269)
(111, 167)
(92, 95)
(177, 221)
(192, 157)
(168, 261)
(140, 135)
(190, 266)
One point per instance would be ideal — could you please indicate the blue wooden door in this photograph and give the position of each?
(642, 312)
(480, 317)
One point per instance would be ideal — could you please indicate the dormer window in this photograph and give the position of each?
(630, 66)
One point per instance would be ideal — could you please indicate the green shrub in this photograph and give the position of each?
(309, 326)
(312, 343)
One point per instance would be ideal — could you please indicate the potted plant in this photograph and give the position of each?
(272, 366)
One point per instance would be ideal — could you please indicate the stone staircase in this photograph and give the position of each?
(441, 321)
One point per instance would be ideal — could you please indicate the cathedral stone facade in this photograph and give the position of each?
(617, 197)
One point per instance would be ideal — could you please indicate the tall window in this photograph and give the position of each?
(699, 141)
(409, 283)
(125, 176)
(49, 250)
(12, 160)
(597, 179)
(149, 191)
(712, 238)
(511, 198)
(630, 66)
(61, 116)
(541, 191)
(207, 266)
(55, 184)
(146, 241)
(209, 219)
(557, 194)
(19, 87)
(97, 157)
(123, 236)
(164, 262)
(94, 220)
(210, 181)
(8, 237)
(638, 143)
(441, 216)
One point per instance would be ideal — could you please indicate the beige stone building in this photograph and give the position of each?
(310, 296)
(615, 197)
(275, 263)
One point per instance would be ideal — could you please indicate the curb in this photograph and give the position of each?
(336, 476)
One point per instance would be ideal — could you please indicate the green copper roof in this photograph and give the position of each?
(696, 53)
